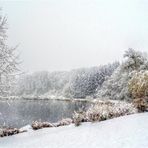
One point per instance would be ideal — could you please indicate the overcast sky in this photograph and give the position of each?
(67, 34)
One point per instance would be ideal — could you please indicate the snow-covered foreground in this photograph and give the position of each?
(124, 132)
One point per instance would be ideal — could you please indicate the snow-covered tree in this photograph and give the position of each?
(76, 83)
(135, 60)
(8, 60)
(116, 87)
(42, 82)
(85, 82)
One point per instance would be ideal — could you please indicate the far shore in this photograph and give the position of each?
(57, 98)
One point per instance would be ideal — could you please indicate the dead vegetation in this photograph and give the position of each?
(64, 122)
(141, 104)
(39, 125)
(103, 110)
(79, 117)
(10, 131)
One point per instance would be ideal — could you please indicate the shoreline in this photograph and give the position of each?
(42, 98)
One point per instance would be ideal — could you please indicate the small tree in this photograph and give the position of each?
(138, 85)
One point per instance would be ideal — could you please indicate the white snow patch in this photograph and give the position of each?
(124, 132)
(27, 127)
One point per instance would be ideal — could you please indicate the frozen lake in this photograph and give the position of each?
(18, 113)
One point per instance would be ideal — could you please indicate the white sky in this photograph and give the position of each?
(67, 34)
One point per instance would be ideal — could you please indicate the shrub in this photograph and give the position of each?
(64, 122)
(138, 88)
(140, 104)
(138, 85)
(38, 125)
(107, 110)
(103, 110)
(10, 131)
(79, 117)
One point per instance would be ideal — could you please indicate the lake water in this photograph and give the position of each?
(18, 113)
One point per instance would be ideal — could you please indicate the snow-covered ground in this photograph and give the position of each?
(125, 132)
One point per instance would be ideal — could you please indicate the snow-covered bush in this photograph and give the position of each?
(64, 122)
(116, 86)
(103, 110)
(107, 110)
(79, 117)
(141, 104)
(10, 131)
(39, 125)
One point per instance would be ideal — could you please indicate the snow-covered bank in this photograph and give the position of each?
(124, 132)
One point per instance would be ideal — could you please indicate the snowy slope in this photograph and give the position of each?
(124, 132)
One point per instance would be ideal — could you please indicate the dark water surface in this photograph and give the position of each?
(18, 113)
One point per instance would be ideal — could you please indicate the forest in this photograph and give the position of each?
(117, 81)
